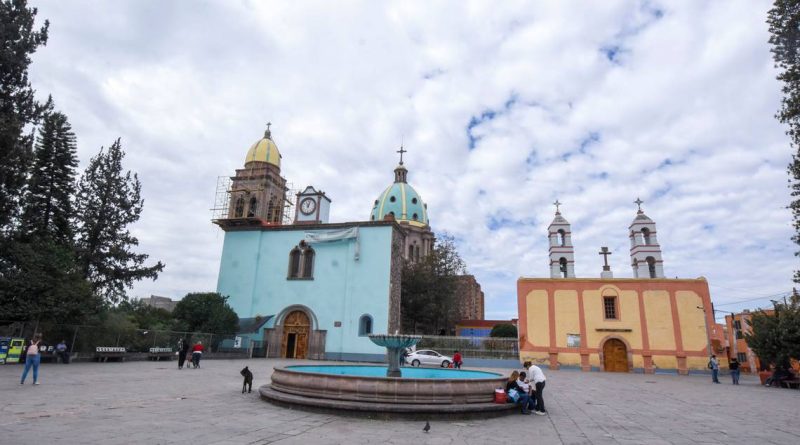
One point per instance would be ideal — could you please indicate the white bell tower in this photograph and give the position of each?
(562, 254)
(645, 252)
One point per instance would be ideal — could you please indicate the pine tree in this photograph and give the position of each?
(784, 25)
(18, 108)
(107, 202)
(48, 200)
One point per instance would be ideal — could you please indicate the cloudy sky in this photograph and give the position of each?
(503, 107)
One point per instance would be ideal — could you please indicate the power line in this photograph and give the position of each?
(782, 294)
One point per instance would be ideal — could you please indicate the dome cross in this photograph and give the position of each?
(401, 151)
(557, 204)
(268, 133)
(639, 203)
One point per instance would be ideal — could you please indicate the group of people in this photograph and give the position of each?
(526, 388)
(183, 353)
(733, 366)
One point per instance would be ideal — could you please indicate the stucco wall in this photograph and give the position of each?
(254, 267)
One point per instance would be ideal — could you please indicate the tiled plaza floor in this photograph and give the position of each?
(154, 403)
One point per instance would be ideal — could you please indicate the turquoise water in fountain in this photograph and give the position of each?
(408, 373)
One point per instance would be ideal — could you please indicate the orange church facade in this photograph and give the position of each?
(615, 324)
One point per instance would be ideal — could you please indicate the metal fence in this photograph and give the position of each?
(82, 340)
(473, 347)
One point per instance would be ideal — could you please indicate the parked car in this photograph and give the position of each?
(428, 357)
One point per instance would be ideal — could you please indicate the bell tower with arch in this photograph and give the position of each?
(562, 254)
(645, 251)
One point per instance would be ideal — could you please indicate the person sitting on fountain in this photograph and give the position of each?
(517, 394)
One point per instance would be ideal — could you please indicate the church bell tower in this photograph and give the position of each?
(562, 254)
(645, 252)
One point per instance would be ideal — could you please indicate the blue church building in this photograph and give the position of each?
(316, 288)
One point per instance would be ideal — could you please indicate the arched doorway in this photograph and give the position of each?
(296, 328)
(615, 356)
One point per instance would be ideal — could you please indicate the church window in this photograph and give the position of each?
(294, 263)
(413, 200)
(562, 237)
(253, 209)
(308, 263)
(410, 252)
(651, 266)
(610, 307)
(376, 202)
(272, 214)
(646, 235)
(365, 325)
(416, 252)
(372, 218)
(392, 199)
(562, 267)
(414, 217)
(239, 210)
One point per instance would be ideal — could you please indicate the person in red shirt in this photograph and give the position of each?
(457, 360)
(197, 354)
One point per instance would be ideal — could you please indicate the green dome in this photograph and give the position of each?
(402, 201)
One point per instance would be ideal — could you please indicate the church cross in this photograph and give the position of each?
(401, 151)
(604, 251)
(557, 204)
(268, 133)
(639, 203)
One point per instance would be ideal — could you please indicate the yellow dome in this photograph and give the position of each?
(264, 150)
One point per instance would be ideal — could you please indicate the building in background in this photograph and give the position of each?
(160, 302)
(469, 298)
(479, 328)
(648, 323)
(737, 326)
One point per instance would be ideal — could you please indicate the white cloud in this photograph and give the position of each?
(594, 104)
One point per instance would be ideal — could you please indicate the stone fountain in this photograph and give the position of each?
(394, 344)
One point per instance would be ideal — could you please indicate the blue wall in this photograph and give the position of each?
(255, 263)
(474, 332)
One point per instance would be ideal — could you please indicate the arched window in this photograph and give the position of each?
(562, 266)
(646, 235)
(253, 209)
(410, 252)
(239, 209)
(272, 214)
(416, 253)
(308, 263)
(562, 237)
(365, 325)
(294, 263)
(651, 266)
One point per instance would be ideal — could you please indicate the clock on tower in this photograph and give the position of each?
(312, 207)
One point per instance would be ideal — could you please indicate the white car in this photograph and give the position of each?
(428, 357)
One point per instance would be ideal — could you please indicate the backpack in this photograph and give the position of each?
(710, 366)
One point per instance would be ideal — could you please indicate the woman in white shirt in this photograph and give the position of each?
(536, 376)
(32, 359)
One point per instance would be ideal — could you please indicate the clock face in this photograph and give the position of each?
(307, 206)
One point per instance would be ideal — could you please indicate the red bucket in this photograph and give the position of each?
(500, 396)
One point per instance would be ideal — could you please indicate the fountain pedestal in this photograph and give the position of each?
(394, 344)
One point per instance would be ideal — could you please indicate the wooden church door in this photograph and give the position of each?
(615, 356)
(296, 329)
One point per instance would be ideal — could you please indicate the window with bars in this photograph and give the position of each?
(610, 307)
(742, 357)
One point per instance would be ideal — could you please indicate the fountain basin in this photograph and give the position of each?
(363, 389)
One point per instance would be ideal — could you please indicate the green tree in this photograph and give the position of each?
(206, 312)
(145, 316)
(775, 335)
(429, 304)
(504, 330)
(48, 200)
(18, 108)
(40, 280)
(107, 202)
(784, 25)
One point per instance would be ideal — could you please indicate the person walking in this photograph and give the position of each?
(713, 365)
(536, 376)
(183, 350)
(457, 361)
(197, 354)
(733, 365)
(32, 359)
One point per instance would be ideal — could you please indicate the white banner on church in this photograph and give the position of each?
(334, 235)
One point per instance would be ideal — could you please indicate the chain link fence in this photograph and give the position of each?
(82, 341)
(473, 347)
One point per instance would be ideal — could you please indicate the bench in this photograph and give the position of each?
(104, 353)
(157, 354)
(791, 383)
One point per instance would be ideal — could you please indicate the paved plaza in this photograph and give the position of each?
(155, 403)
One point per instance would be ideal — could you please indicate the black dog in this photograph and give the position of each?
(248, 379)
